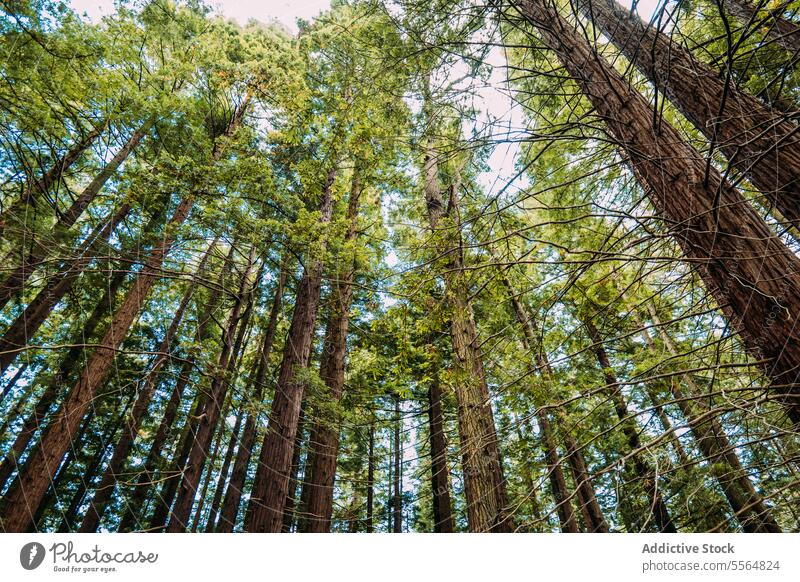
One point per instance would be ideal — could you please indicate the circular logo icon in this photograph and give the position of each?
(31, 555)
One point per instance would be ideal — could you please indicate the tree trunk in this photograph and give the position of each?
(750, 272)
(223, 474)
(211, 408)
(269, 500)
(778, 29)
(759, 142)
(209, 463)
(144, 393)
(645, 473)
(371, 477)
(440, 473)
(558, 483)
(39, 188)
(324, 442)
(484, 484)
(40, 250)
(18, 334)
(292, 513)
(397, 499)
(30, 486)
(752, 512)
(230, 507)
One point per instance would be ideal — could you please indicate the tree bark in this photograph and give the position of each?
(28, 489)
(371, 476)
(440, 474)
(778, 29)
(748, 505)
(269, 500)
(759, 142)
(324, 442)
(397, 499)
(749, 271)
(645, 473)
(230, 507)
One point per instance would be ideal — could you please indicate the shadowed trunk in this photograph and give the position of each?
(440, 473)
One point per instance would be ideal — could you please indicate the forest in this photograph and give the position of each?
(417, 266)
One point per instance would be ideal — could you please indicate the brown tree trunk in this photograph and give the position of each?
(40, 250)
(371, 477)
(18, 334)
(324, 442)
(269, 500)
(397, 499)
(209, 412)
(645, 473)
(759, 142)
(209, 463)
(223, 474)
(230, 507)
(558, 483)
(31, 485)
(147, 387)
(484, 484)
(750, 272)
(752, 512)
(778, 29)
(293, 512)
(39, 188)
(440, 473)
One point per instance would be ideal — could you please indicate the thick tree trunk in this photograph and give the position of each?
(752, 512)
(269, 500)
(440, 473)
(230, 507)
(778, 29)
(759, 142)
(209, 412)
(41, 250)
(659, 513)
(30, 486)
(16, 337)
(484, 484)
(324, 442)
(147, 387)
(750, 272)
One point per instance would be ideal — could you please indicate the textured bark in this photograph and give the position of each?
(43, 249)
(748, 505)
(39, 188)
(323, 449)
(440, 473)
(644, 472)
(72, 358)
(292, 513)
(778, 29)
(211, 408)
(147, 386)
(759, 142)
(230, 507)
(25, 326)
(30, 486)
(749, 271)
(484, 484)
(269, 499)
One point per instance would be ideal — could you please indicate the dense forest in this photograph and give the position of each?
(442, 266)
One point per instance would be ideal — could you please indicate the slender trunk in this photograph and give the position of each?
(666, 424)
(39, 188)
(210, 412)
(440, 474)
(528, 468)
(30, 486)
(645, 473)
(750, 272)
(759, 142)
(371, 476)
(397, 499)
(749, 506)
(269, 500)
(147, 387)
(230, 507)
(43, 249)
(18, 334)
(778, 29)
(223, 474)
(209, 473)
(9, 386)
(35, 420)
(558, 483)
(324, 442)
(292, 513)
(484, 484)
